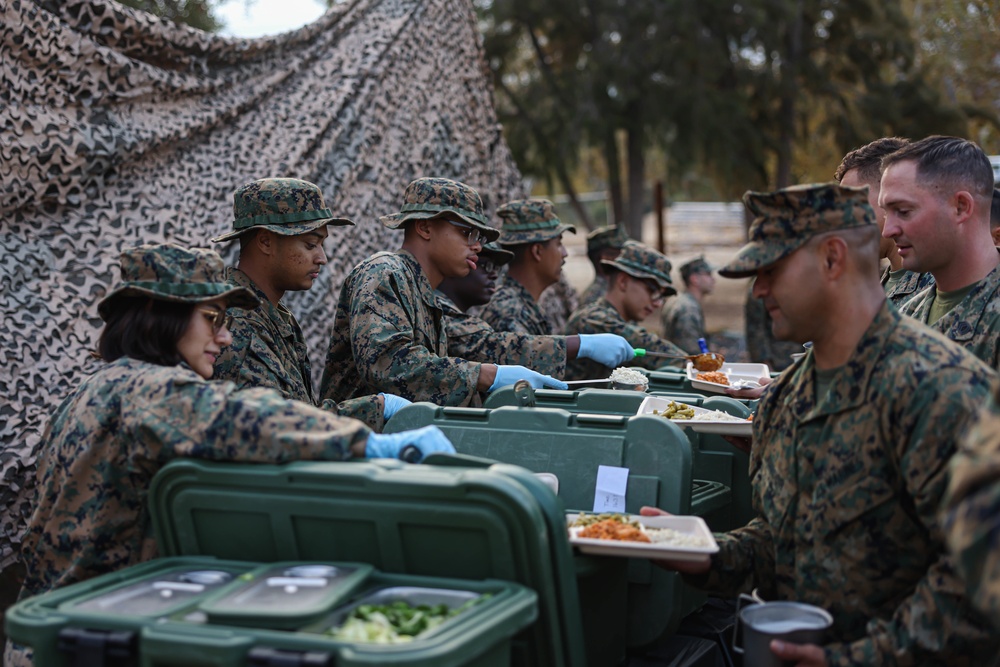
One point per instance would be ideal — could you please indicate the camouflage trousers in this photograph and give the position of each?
(15, 655)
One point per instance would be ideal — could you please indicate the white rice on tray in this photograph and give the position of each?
(718, 416)
(628, 376)
(674, 537)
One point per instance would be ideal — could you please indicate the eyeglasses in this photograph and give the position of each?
(655, 293)
(487, 265)
(218, 318)
(472, 235)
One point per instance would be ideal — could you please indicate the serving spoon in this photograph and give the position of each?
(705, 362)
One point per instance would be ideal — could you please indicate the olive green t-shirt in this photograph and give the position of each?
(945, 301)
(823, 380)
(894, 278)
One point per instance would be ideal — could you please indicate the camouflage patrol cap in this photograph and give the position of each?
(610, 236)
(169, 272)
(643, 262)
(696, 265)
(786, 219)
(496, 253)
(427, 198)
(530, 221)
(285, 206)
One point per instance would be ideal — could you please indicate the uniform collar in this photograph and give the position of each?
(424, 289)
(850, 385)
(280, 315)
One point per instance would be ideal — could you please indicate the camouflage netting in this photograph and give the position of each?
(117, 128)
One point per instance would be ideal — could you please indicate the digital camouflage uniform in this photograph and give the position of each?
(909, 285)
(972, 510)
(107, 440)
(513, 308)
(974, 324)
(847, 485)
(268, 347)
(602, 317)
(390, 334)
(640, 262)
(269, 350)
(684, 322)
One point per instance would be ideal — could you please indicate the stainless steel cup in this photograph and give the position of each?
(761, 622)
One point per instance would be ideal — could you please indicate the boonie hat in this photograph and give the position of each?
(496, 253)
(643, 262)
(530, 221)
(286, 206)
(610, 236)
(168, 272)
(427, 198)
(785, 219)
(696, 265)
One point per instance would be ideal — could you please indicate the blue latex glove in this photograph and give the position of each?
(507, 375)
(390, 445)
(609, 350)
(392, 404)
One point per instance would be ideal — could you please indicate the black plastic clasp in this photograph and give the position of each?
(99, 648)
(524, 393)
(270, 657)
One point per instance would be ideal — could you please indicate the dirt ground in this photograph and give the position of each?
(689, 234)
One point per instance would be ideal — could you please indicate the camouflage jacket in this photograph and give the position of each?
(847, 490)
(125, 422)
(269, 350)
(972, 506)
(390, 335)
(910, 284)
(684, 322)
(762, 346)
(602, 317)
(513, 309)
(973, 324)
(594, 291)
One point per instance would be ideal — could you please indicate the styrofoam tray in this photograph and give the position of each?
(742, 428)
(751, 372)
(692, 525)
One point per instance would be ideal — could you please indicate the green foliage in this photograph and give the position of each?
(195, 13)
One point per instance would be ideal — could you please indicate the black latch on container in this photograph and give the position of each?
(99, 648)
(269, 657)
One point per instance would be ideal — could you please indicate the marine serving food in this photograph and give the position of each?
(624, 375)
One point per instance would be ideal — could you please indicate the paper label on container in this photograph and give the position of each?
(611, 485)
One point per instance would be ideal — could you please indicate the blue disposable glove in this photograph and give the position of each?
(507, 375)
(392, 404)
(390, 445)
(609, 350)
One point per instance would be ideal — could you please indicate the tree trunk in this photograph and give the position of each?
(636, 180)
(789, 93)
(614, 176)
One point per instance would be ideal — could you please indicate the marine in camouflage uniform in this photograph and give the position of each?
(602, 243)
(390, 333)
(683, 316)
(268, 347)
(641, 263)
(974, 323)
(972, 508)
(937, 194)
(109, 438)
(529, 229)
(847, 484)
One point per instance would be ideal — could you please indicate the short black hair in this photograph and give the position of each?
(868, 159)
(145, 329)
(952, 160)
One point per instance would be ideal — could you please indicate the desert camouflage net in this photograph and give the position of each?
(118, 128)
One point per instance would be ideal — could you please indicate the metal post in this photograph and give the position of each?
(661, 218)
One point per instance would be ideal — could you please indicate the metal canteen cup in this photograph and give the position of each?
(761, 622)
